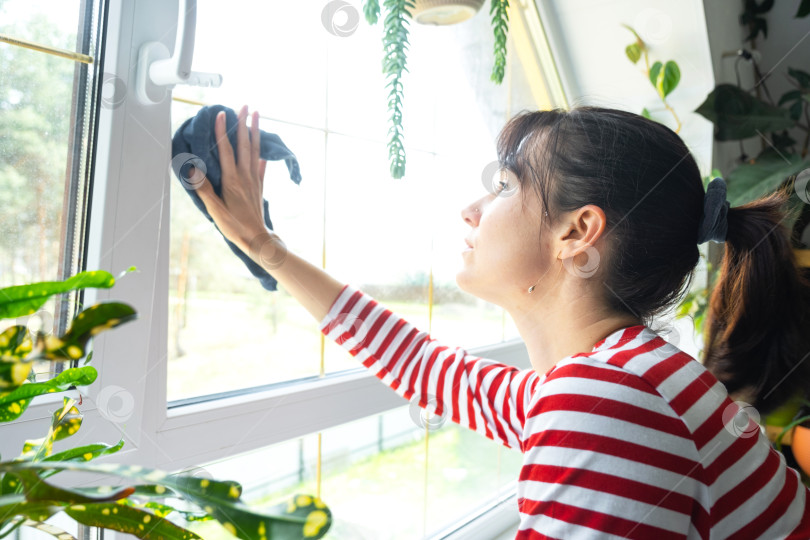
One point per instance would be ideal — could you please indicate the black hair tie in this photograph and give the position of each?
(715, 213)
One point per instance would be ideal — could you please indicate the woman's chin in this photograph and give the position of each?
(462, 280)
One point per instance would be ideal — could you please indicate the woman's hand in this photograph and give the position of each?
(239, 216)
(239, 213)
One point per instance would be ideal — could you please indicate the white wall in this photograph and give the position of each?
(588, 39)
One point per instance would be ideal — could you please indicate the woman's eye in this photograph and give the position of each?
(503, 185)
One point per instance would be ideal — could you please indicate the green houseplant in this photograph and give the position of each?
(27, 496)
(664, 77)
(395, 45)
(782, 163)
(738, 115)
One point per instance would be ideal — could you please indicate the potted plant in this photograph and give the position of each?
(790, 425)
(27, 496)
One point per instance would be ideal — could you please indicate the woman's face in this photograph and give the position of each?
(508, 253)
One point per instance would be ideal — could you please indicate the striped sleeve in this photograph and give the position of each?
(486, 396)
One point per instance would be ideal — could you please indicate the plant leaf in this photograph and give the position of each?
(302, 516)
(750, 181)
(64, 423)
(128, 519)
(645, 113)
(86, 452)
(796, 110)
(655, 76)
(371, 10)
(738, 115)
(16, 505)
(15, 343)
(36, 489)
(633, 52)
(22, 300)
(14, 403)
(163, 510)
(790, 96)
(88, 323)
(13, 373)
(671, 77)
(802, 77)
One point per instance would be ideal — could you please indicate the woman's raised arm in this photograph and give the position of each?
(484, 395)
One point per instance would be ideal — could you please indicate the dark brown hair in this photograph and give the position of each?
(757, 326)
(642, 175)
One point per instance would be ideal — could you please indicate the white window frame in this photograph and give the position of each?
(129, 225)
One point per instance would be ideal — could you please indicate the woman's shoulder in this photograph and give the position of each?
(641, 366)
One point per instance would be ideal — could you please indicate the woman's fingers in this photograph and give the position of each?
(255, 144)
(226, 159)
(207, 195)
(242, 141)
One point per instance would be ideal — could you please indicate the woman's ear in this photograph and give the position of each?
(581, 228)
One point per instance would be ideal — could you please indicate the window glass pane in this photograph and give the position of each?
(271, 55)
(328, 103)
(47, 110)
(220, 316)
(373, 475)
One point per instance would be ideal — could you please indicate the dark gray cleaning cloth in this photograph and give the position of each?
(195, 141)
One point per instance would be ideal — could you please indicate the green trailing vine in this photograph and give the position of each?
(395, 47)
(500, 27)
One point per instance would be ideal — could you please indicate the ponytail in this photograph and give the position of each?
(757, 339)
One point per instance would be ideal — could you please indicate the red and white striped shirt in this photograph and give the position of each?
(634, 439)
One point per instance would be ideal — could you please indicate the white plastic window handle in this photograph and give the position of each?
(157, 70)
(177, 68)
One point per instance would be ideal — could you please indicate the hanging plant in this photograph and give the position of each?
(395, 46)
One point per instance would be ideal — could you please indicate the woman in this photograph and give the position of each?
(593, 232)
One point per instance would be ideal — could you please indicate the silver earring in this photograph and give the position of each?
(531, 289)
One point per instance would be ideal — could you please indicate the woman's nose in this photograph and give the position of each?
(472, 213)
